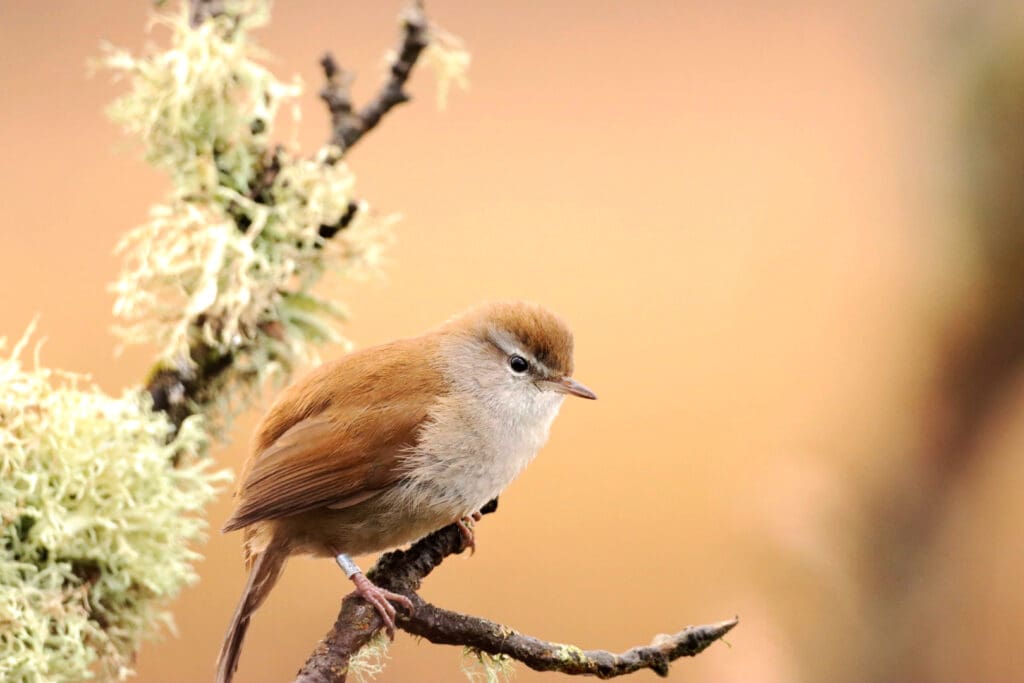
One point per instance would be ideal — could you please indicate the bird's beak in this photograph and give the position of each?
(567, 385)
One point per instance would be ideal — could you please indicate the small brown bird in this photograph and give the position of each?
(387, 444)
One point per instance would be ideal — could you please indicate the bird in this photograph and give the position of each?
(387, 444)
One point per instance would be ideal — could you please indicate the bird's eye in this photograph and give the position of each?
(518, 364)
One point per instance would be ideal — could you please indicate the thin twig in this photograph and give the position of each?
(201, 10)
(451, 628)
(348, 125)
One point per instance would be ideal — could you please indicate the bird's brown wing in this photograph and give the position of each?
(341, 448)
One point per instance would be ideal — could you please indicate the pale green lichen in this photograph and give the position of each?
(95, 522)
(369, 661)
(228, 262)
(570, 653)
(483, 667)
(191, 273)
(204, 108)
(449, 60)
(504, 632)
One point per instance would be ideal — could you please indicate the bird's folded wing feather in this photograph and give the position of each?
(337, 454)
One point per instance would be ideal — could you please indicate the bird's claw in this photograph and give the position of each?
(466, 529)
(381, 600)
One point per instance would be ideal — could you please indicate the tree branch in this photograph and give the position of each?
(347, 125)
(977, 365)
(201, 10)
(451, 628)
(179, 390)
(403, 572)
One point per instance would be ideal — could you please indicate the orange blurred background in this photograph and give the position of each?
(750, 214)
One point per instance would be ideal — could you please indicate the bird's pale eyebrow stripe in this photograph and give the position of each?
(505, 343)
(508, 345)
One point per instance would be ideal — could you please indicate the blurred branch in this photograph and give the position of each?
(201, 10)
(984, 359)
(347, 125)
(178, 391)
(979, 359)
(404, 571)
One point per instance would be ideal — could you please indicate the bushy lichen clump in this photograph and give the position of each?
(483, 667)
(230, 259)
(369, 661)
(203, 108)
(449, 61)
(95, 522)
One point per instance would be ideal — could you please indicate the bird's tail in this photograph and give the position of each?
(263, 574)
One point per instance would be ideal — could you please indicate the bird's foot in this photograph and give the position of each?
(466, 529)
(381, 600)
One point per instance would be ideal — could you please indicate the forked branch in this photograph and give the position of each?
(348, 125)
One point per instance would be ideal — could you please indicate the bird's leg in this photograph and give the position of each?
(373, 594)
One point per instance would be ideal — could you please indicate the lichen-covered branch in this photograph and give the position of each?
(348, 125)
(178, 391)
(192, 381)
(402, 571)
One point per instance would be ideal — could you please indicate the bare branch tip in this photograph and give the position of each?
(414, 15)
(723, 627)
(330, 66)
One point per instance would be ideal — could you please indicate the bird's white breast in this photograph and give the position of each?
(477, 440)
